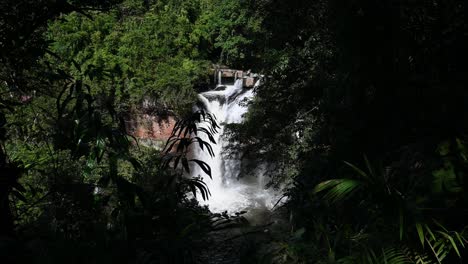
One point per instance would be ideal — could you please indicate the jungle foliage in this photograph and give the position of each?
(362, 116)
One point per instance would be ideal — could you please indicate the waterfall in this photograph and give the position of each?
(230, 191)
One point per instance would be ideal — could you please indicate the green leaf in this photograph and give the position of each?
(429, 231)
(449, 238)
(368, 165)
(460, 239)
(299, 233)
(338, 189)
(444, 148)
(420, 231)
(359, 171)
(445, 179)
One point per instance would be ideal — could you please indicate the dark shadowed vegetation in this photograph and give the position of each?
(365, 117)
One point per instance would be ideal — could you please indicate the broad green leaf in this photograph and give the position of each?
(420, 231)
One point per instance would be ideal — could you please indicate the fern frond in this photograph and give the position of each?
(416, 257)
(388, 255)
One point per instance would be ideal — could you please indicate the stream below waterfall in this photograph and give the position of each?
(230, 190)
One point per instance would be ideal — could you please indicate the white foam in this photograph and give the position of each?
(228, 191)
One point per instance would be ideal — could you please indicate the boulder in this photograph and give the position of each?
(249, 82)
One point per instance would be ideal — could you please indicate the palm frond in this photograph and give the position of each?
(417, 257)
(394, 255)
(440, 242)
(358, 170)
(338, 190)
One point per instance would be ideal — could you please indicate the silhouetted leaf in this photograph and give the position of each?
(203, 165)
(185, 164)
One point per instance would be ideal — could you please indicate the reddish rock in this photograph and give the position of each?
(145, 126)
(249, 82)
(228, 73)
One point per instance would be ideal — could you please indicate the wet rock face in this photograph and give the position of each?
(224, 75)
(249, 82)
(148, 128)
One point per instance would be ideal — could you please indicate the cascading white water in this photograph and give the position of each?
(229, 191)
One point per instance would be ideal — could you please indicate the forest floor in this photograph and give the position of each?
(253, 243)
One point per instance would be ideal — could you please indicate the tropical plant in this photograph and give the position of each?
(388, 201)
